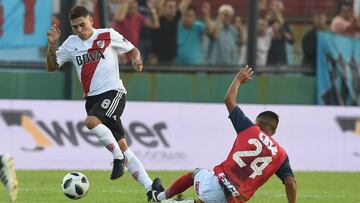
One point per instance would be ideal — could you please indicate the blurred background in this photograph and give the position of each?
(306, 56)
(304, 52)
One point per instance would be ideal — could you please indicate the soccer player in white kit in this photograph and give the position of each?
(94, 54)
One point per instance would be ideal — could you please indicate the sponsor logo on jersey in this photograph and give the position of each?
(231, 188)
(90, 57)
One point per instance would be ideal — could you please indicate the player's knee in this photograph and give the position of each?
(123, 145)
(91, 122)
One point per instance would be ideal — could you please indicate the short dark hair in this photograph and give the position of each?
(269, 114)
(77, 12)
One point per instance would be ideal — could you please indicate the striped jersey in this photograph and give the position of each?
(96, 59)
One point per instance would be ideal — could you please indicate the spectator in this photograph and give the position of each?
(263, 42)
(240, 26)
(147, 8)
(205, 39)
(345, 23)
(189, 36)
(282, 33)
(165, 37)
(309, 42)
(264, 37)
(224, 38)
(128, 21)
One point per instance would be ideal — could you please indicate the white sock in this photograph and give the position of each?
(161, 196)
(108, 140)
(136, 169)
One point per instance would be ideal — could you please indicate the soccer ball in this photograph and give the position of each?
(75, 185)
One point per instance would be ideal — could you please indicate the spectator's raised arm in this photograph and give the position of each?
(153, 22)
(121, 12)
(184, 4)
(206, 8)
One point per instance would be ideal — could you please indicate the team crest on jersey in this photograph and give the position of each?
(100, 43)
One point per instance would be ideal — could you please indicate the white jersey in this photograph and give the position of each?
(96, 60)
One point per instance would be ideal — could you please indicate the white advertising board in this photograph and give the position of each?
(173, 136)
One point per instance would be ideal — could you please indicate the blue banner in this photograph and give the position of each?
(24, 23)
(338, 69)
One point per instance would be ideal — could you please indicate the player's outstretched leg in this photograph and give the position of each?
(8, 175)
(179, 186)
(156, 188)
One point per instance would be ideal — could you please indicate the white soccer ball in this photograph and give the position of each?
(75, 185)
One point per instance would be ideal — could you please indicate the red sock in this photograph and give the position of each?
(180, 185)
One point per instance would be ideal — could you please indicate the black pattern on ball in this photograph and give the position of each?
(83, 180)
(74, 174)
(78, 189)
(67, 183)
(70, 196)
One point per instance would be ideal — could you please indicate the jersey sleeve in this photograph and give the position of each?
(63, 54)
(284, 170)
(239, 120)
(121, 44)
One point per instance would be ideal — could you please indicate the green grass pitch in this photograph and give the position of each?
(44, 186)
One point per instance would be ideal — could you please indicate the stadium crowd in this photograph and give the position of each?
(184, 32)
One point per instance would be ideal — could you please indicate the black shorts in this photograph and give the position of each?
(108, 107)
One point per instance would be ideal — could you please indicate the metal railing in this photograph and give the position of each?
(282, 69)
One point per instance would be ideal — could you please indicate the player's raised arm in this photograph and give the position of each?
(53, 36)
(241, 77)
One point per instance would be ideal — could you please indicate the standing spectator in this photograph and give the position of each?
(189, 36)
(345, 23)
(128, 21)
(147, 8)
(224, 38)
(282, 33)
(263, 42)
(264, 38)
(165, 37)
(309, 42)
(240, 26)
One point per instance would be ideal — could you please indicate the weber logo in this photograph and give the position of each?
(47, 134)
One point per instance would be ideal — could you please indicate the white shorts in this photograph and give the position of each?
(207, 187)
